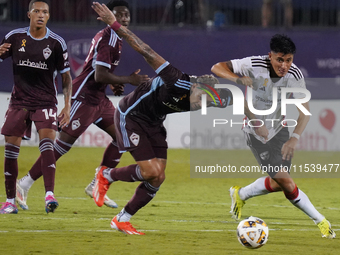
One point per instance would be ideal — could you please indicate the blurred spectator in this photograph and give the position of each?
(267, 12)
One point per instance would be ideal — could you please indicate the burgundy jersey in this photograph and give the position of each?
(35, 66)
(168, 92)
(105, 51)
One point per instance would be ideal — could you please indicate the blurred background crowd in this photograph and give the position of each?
(199, 13)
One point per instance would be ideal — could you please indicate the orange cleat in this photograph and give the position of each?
(124, 227)
(100, 187)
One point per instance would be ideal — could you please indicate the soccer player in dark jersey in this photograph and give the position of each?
(37, 54)
(139, 124)
(89, 101)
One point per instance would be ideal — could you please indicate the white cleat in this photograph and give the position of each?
(107, 201)
(21, 197)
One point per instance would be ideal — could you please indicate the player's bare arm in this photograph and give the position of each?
(151, 57)
(225, 70)
(103, 75)
(4, 48)
(64, 116)
(289, 147)
(261, 131)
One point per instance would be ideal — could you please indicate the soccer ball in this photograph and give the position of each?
(252, 232)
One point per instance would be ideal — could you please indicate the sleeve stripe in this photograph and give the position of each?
(294, 70)
(162, 67)
(113, 39)
(59, 39)
(16, 31)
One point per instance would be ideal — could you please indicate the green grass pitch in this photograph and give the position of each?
(188, 215)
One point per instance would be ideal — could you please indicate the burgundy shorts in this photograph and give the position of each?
(83, 115)
(143, 140)
(18, 122)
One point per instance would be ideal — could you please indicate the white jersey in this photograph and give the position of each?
(258, 68)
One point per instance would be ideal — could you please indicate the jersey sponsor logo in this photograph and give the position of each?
(134, 139)
(265, 155)
(22, 49)
(75, 124)
(263, 89)
(47, 52)
(39, 65)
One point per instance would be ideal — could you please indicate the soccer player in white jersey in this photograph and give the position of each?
(271, 144)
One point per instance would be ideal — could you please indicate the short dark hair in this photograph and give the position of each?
(34, 1)
(282, 44)
(114, 3)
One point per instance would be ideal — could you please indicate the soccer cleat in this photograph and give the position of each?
(50, 204)
(325, 228)
(107, 201)
(100, 188)
(124, 227)
(21, 197)
(236, 202)
(8, 208)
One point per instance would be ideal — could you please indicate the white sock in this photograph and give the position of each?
(26, 182)
(304, 204)
(254, 189)
(10, 200)
(107, 175)
(123, 216)
(49, 193)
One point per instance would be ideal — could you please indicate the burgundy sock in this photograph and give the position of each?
(60, 148)
(48, 163)
(11, 169)
(145, 192)
(129, 173)
(111, 156)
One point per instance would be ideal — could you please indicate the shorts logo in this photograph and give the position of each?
(47, 52)
(265, 155)
(75, 124)
(134, 139)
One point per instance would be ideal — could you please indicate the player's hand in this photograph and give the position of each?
(225, 96)
(105, 14)
(64, 117)
(245, 80)
(117, 89)
(262, 131)
(135, 78)
(288, 149)
(4, 47)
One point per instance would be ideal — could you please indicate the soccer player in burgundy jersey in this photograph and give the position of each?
(37, 54)
(89, 101)
(139, 124)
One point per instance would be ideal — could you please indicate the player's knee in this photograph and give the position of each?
(286, 184)
(154, 173)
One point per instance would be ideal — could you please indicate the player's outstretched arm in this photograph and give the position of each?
(151, 57)
(225, 70)
(103, 75)
(64, 116)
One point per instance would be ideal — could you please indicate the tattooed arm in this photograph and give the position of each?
(151, 57)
